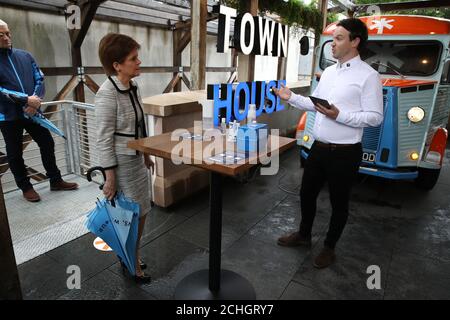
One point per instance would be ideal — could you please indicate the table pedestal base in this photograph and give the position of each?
(232, 287)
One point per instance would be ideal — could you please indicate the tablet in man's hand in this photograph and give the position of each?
(322, 102)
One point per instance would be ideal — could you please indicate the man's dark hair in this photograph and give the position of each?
(115, 47)
(357, 29)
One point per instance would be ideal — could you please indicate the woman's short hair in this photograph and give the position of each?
(357, 29)
(3, 23)
(115, 47)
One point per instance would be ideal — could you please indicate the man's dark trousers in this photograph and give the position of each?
(13, 134)
(337, 165)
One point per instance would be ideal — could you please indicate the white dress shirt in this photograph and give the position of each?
(355, 89)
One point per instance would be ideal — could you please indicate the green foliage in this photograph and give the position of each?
(433, 12)
(293, 13)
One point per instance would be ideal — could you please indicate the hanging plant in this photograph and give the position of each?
(293, 13)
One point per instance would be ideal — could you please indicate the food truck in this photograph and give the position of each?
(411, 54)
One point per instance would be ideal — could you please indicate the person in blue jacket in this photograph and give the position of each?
(21, 91)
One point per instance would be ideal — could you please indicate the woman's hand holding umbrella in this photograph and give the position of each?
(109, 188)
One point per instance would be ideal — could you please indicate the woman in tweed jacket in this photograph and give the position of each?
(119, 119)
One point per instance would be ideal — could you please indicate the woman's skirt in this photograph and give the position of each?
(132, 178)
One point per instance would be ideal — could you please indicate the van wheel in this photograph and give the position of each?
(427, 178)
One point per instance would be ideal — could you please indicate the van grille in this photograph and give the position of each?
(371, 135)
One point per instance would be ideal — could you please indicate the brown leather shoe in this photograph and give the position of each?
(63, 185)
(293, 240)
(325, 258)
(31, 195)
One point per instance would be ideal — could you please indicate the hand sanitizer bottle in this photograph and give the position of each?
(223, 126)
(232, 132)
(251, 115)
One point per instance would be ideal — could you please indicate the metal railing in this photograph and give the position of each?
(73, 156)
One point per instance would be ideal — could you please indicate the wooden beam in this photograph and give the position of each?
(69, 71)
(59, 71)
(76, 61)
(220, 69)
(183, 42)
(158, 69)
(234, 57)
(232, 77)
(183, 25)
(186, 81)
(9, 276)
(90, 83)
(282, 66)
(35, 175)
(323, 7)
(88, 10)
(176, 56)
(151, 9)
(323, 4)
(172, 83)
(281, 70)
(61, 95)
(199, 10)
(187, 24)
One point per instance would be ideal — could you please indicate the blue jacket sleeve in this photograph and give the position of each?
(16, 97)
(38, 75)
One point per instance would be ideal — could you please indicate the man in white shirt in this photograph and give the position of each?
(355, 94)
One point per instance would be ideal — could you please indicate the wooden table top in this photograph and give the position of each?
(198, 152)
(169, 104)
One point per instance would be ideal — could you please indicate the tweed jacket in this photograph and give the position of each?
(117, 113)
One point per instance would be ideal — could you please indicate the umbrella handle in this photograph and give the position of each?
(102, 170)
(89, 173)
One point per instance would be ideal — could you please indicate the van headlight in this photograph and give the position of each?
(416, 114)
(414, 156)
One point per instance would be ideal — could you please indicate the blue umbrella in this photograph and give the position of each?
(100, 223)
(116, 223)
(132, 235)
(41, 120)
